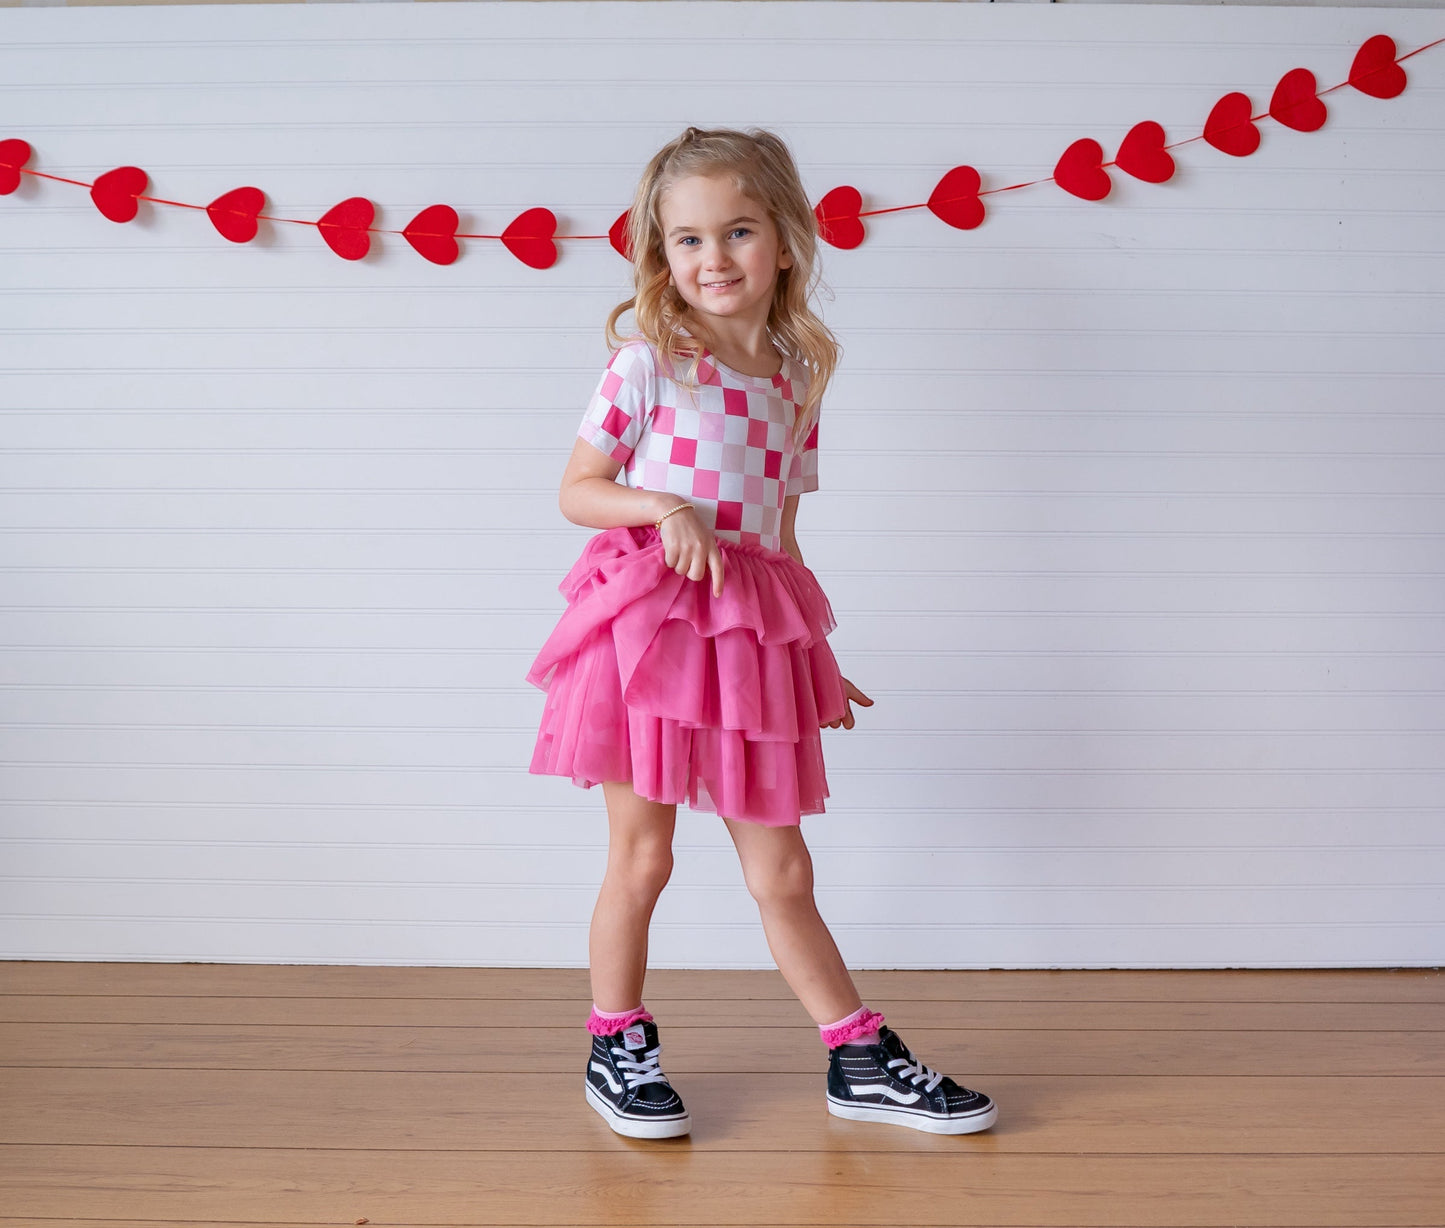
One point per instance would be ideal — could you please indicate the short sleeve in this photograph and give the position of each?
(803, 474)
(618, 411)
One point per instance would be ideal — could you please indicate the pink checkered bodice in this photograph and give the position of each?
(725, 444)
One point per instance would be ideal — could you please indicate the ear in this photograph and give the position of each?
(785, 258)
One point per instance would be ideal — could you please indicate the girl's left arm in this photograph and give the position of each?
(790, 546)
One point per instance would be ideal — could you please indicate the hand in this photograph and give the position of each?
(690, 548)
(854, 696)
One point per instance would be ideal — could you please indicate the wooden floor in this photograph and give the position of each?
(137, 1094)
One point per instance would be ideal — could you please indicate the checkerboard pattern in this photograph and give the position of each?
(725, 444)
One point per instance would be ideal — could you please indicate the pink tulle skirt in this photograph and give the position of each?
(716, 702)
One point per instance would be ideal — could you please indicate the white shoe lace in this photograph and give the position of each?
(637, 1071)
(917, 1073)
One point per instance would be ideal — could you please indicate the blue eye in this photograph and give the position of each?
(686, 239)
(741, 230)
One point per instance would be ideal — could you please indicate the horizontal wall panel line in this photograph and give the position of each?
(1111, 375)
(971, 573)
(1052, 849)
(169, 41)
(384, 690)
(750, 926)
(837, 811)
(930, 653)
(987, 294)
(548, 614)
(509, 768)
(589, 887)
(432, 330)
(950, 734)
(956, 495)
(880, 453)
(813, 533)
(1058, 574)
(976, 84)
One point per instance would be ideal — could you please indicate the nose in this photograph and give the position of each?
(716, 256)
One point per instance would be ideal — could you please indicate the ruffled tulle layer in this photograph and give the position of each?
(712, 701)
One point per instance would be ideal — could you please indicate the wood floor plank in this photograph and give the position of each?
(672, 1183)
(247, 980)
(1217, 1015)
(535, 1113)
(975, 1052)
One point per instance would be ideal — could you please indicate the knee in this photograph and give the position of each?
(782, 880)
(641, 871)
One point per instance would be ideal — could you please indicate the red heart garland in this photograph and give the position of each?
(234, 213)
(1143, 154)
(116, 191)
(529, 238)
(1230, 128)
(433, 232)
(1375, 72)
(838, 220)
(619, 237)
(13, 155)
(955, 199)
(345, 227)
(1081, 172)
(1296, 102)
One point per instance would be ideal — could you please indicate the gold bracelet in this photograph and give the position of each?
(679, 508)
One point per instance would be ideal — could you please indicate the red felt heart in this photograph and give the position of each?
(116, 191)
(1375, 72)
(1143, 154)
(1296, 102)
(955, 199)
(1081, 171)
(433, 232)
(345, 227)
(529, 238)
(234, 213)
(619, 237)
(1230, 127)
(13, 155)
(838, 220)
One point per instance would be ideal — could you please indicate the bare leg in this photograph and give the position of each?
(639, 862)
(779, 873)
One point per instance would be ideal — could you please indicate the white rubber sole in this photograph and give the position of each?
(914, 1121)
(670, 1127)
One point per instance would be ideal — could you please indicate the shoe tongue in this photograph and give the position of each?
(891, 1041)
(634, 1036)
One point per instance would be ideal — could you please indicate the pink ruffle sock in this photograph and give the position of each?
(600, 1023)
(859, 1028)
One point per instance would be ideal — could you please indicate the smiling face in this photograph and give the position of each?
(723, 252)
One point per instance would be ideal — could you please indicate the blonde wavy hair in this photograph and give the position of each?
(762, 169)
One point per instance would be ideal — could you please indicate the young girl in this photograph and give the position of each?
(691, 663)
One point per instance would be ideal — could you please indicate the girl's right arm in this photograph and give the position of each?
(591, 496)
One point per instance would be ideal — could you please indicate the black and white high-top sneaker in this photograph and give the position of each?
(884, 1082)
(627, 1087)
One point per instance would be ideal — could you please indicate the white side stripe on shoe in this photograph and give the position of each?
(882, 1089)
(612, 1084)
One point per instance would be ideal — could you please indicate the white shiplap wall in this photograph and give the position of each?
(1133, 512)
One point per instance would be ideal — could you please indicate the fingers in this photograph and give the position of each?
(715, 564)
(690, 549)
(851, 695)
